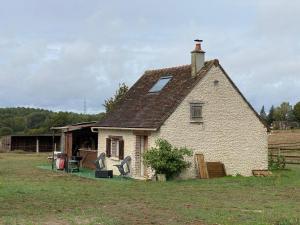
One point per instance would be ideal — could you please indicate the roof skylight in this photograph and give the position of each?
(160, 84)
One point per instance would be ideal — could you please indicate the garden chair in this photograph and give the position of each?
(124, 167)
(99, 162)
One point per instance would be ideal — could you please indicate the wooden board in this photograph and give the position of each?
(88, 158)
(202, 169)
(215, 169)
(5, 143)
(69, 144)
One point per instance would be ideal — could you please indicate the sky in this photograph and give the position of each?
(54, 53)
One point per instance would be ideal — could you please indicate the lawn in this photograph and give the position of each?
(31, 195)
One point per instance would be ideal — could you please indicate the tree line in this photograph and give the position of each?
(21, 120)
(285, 112)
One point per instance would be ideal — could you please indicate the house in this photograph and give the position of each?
(30, 143)
(79, 140)
(195, 105)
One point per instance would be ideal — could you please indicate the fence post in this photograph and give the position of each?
(37, 145)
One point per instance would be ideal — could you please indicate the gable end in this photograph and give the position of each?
(244, 98)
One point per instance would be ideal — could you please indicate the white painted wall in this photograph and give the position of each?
(129, 146)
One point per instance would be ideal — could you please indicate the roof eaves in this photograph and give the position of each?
(124, 128)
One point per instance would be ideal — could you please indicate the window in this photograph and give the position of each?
(115, 147)
(160, 84)
(196, 111)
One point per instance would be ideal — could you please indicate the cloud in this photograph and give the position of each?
(55, 54)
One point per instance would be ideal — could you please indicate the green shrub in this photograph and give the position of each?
(277, 163)
(166, 159)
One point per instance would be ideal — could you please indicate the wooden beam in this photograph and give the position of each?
(202, 168)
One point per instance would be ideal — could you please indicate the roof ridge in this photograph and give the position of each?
(168, 68)
(180, 66)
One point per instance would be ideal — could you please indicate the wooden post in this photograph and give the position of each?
(202, 168)
(37, 147)
(53, 138)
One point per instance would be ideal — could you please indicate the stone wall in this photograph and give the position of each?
(230, 133)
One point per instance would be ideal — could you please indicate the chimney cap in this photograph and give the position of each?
(198, 40)
(198, 47)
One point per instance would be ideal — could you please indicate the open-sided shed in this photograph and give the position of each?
(79, 140)
(31, 143)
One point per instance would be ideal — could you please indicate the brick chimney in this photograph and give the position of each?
(198, 58)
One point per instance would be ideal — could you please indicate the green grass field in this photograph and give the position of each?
(31, 195)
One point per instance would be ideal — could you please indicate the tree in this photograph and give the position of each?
(263, 114)
(297, 111)
(19, 124)
(5, 131)
(35, 120)
(270, 117)
(111, 102)
(61, 119)
(281, 112)
(291, 116)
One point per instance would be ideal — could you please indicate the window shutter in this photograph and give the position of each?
(108, 146)
(121, 149)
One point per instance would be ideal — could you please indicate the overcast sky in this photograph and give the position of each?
(54, 53)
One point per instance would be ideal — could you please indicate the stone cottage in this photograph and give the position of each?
(195, 105)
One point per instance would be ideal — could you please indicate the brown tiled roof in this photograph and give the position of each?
(141, 109)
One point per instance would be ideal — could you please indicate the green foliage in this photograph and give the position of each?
(37, 121)
(277, 164)
(19, 124)
(283, 111)
(5, 131)
(111, 102)
(166, 159)
(263, 114)
(297, 111)
(270, 117)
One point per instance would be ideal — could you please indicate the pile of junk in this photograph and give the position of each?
(60, 161)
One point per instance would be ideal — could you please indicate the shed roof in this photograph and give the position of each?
(77, 126)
